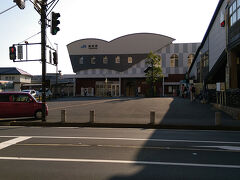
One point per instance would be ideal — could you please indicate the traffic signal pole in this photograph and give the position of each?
(43, 55)
(41, 8)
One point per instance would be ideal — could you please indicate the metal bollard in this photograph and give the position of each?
(217, 118)
(152, 117)
(63, 115)
(92, 116)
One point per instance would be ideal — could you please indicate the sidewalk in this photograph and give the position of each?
(233, 112)
(176, 113)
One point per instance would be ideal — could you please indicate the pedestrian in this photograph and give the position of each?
(185, 92)
(192, 92)
(136, 92)
(62, 92)
(182, 91)
(85, 92)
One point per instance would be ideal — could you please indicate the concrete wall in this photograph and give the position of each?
(215, 42)
(217, 38)
(182, 50)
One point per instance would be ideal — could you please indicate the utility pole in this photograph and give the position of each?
(56, 87)
(152, 79)
(43, 55)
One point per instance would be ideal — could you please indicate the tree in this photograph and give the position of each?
(154, 71)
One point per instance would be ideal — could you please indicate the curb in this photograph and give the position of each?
(116, 125)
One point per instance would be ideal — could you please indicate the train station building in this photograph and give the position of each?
(116, 68)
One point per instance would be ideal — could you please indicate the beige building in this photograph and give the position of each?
(17, 76)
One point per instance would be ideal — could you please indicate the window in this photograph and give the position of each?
(130, 60)
(238, 12)
(174, 61)
(190, 59)
(4, 98)
(204, 60)
(105, 60)
(93, 60)
(117, 59)
(234, 12)
(21, 98)
(81, 60)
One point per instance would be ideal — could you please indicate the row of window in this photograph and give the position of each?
(9, 78)
(234, 12)
(173, 60)
(14, 98)
(105, 60)
(202, 66)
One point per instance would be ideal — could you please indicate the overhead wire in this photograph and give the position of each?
(29, 37)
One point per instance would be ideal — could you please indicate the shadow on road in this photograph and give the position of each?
(181, 111)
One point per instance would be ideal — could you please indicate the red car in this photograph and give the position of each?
(20, 104)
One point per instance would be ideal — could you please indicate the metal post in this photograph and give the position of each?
(217, 118)
(63, 116)
(43, 55)
(152, 117)
(92, 116)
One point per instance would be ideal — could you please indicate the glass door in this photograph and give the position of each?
(114, 90)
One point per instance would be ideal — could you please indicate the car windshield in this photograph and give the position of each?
(26, 91)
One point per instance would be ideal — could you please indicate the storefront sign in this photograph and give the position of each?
(220, 86)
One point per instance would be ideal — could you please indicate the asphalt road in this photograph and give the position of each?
(112, 154)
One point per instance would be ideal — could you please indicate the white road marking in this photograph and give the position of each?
(77, 105)
(12, 142)
(129, 139)
(122, 162)
(233, 148)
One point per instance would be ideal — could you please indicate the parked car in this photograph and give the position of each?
(32, 92)
(48, 93)
(20, 104)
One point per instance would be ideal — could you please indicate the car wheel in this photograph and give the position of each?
(38, 114)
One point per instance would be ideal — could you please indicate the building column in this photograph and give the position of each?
(120, 87)
(233, 70)
(163, 86)
(74, 86)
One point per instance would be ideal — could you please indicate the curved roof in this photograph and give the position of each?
(127, 44)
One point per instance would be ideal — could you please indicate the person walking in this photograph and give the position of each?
(193, 90)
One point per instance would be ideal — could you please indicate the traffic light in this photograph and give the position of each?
(12, 52)
(55, 58)
(20, 3)
(54, 23)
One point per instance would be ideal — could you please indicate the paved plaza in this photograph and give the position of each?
(169, 111)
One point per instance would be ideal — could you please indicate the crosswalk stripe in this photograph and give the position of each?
(12, 142)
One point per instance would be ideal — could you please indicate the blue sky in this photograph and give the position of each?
(185, 21)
